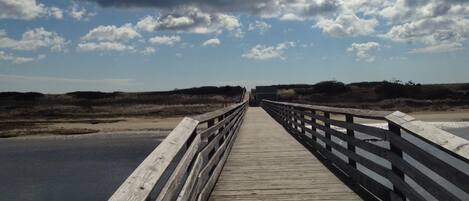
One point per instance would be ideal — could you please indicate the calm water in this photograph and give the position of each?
(78, 169)
(89, 167)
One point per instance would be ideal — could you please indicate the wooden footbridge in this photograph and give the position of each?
(286, 151)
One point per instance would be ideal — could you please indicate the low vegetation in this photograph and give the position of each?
(387, 95)
(34, 113)
(100, 104)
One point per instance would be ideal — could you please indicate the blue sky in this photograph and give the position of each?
(121, 45)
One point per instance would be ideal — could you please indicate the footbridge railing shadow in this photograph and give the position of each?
(186, 165)
(383, 155)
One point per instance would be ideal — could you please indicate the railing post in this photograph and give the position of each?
(210, 123)
(302, 122)
(295, 120)
(327, 115)
(313, 128)
(396, 131)
(351, 133)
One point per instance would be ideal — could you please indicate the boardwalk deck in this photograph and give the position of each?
(267, 163)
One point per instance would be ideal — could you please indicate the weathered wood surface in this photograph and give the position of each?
(452, 144)
(140, 183)
(372, 114)
(303, 123)
(267, 163)
(181, 167)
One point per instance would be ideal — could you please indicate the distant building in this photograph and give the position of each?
(265, 92)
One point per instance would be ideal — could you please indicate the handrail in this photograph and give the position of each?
(400, 145)
(187, 163)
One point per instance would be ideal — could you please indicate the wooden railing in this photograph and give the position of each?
(186, 165)
(407, 159)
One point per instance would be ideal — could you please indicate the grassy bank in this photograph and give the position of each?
(384, 95)
(81, 112)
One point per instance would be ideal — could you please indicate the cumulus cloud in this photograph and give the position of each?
(363, 50)
(212, 42)
(165, 40)
(291, 9)
(79, 13)
(27, 10)
(440, 34)
(4, 56)
(440, 25)
(32, 40)
(259, 26)
(190, 20)
(55, 12)
(148, 51)
(104, 46)
(263, 52)
(347, 25)
(112, 33)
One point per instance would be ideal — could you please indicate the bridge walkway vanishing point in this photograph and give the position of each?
(290, 151)
(267, 163)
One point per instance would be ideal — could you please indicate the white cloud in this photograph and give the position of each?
(55, 12)
(191, 20)
(104, 46)
(21, 9)
(112, 33)
(148, 51)
(33, 39)
(362, 50)
(4, 56)
(281, 9)
(440, 25)
(342, 18)
(27, 10)
(79, 13)
(259, 26)
(263, 52)
(347, 25)
(212, 42)
(165, 40)
(449, 47)
(440, 34)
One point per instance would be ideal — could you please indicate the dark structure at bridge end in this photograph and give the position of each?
(263, 93)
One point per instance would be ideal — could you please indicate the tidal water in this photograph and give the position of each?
(76, 169)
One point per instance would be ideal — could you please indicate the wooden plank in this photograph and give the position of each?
(140, 183)
(176, 180)
(211, 130)
(214, 142)
(435, 164)
(191, 181)
(267, 163)
(398, 182)
(445, 141)
(203, 176)
(369, 130)
(400, 166)
(205, 193)
(351, 134)
(217, 113)
(370, 114)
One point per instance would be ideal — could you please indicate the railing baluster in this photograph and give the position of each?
(351, 133)
(327, 115)
(302, 122)
(313, 128)
(396, 131)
